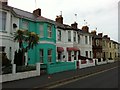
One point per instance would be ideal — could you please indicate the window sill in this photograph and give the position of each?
(50, 37)
(3, 31)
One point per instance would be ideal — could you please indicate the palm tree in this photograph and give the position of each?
(27, 37)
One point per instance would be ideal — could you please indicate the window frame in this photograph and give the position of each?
(41, 55)
(49, 29)
(3, 20)
(59, 34)
(74, 36)
(50, 56)
(69, 36)
(86, 40)
(23, 25)
(41, 29)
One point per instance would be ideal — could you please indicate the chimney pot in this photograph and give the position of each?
(85, 28)
(4, 2)
(93, 32)
(59, 19)
(37, 12)
(74, 25)
(100, 34)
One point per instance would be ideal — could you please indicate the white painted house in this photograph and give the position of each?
(85, 42)
(9, 23)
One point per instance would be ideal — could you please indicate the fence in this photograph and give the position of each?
(21, 75)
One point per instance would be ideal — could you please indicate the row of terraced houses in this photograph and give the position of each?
(58, 42)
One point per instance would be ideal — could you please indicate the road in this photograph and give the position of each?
(105, 79)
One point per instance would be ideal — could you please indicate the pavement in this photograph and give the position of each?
(46, 80)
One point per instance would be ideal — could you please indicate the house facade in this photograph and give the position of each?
(105, 47)
(114, 49)
(97, 45)
(9, 23)
(66, 44)
(45, 51)
(85, 42)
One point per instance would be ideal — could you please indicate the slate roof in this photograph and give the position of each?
(28, 15)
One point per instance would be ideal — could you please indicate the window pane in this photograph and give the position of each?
(86, 42)
(49, 31)
(25, 25)
(69, 36)
(41, 55)
(41, 31)
(59, 35)
(50, 55)
(2, 20)
(74, 36)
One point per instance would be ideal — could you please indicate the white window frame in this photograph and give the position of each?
(59, 35)
(41, 55)
(3, 19)
(41, 28)
(69, 36)
(49, 31)
(25, 25)
(74, 36)
(50, 55)
(86, 40)
(90, 40)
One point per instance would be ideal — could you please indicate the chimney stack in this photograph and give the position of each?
(106, 36)
(93, 32)
(85, 29)
(74, 25)
(100, 34)
(37, 12)
(59, 19)
(4, 2)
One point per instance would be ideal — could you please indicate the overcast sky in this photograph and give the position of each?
(100, 14)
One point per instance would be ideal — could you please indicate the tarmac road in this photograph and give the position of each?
(104, 79)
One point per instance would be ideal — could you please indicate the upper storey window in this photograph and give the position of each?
(3, 20)
(49, 31)
(25, 25)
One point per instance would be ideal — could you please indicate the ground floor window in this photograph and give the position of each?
(2, 49)
(90, 54)
(50, 55)
(86, 52)
(41, 55)
(75, 54)
(69, 55)
(59, 56)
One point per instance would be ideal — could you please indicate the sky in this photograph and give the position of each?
(100, 14)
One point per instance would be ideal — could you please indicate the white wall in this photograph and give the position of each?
(6, 38)
(85, 47)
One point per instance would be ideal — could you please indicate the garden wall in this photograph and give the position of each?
(60, 66)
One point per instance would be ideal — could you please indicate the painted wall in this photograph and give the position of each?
(85, 47)
(45, 42)
(7, 36)
(34, 54)
(61, 66)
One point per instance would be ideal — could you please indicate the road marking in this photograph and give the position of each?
(79, 78)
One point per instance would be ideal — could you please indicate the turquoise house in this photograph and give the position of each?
(45, 51)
